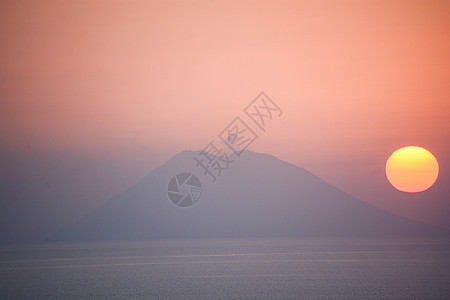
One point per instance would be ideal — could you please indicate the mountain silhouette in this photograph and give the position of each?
(258, 196)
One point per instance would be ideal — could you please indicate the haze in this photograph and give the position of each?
(96, 94)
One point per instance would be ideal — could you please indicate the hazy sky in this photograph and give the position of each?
(95, 94)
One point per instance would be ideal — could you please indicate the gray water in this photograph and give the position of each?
(315, 268)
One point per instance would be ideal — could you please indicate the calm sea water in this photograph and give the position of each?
(316, 268)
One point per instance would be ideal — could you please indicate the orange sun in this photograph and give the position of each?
(412, 169)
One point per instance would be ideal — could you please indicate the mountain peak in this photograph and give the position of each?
(258, 195)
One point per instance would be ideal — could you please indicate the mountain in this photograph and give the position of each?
(258, 196)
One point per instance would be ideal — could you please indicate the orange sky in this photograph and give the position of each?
(135, 82)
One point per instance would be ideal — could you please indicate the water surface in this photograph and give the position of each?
(310, 268)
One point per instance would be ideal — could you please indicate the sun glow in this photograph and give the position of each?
(412, 169)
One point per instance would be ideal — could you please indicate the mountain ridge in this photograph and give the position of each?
(258, 196)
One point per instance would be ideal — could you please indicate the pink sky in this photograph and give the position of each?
(128, 84)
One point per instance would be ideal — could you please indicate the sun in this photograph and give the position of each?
(412, 169)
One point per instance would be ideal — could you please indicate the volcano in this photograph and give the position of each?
(258, 195)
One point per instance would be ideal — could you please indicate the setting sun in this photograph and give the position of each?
(412, 169)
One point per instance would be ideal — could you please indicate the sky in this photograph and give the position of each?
(96, 94)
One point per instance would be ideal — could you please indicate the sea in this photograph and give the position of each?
(281, 268)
